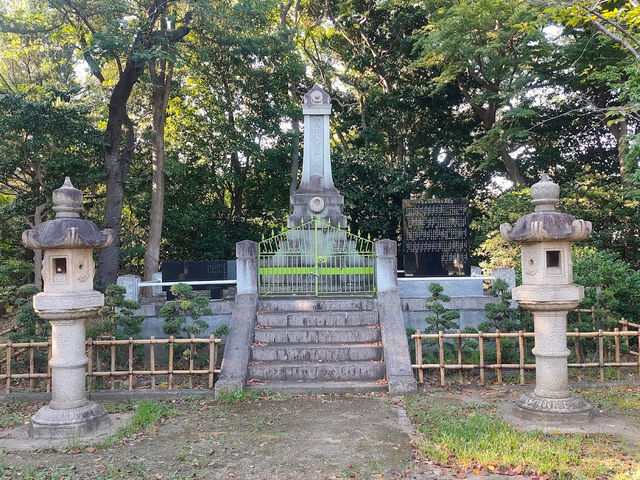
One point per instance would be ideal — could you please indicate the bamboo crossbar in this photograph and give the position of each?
(439, 342)
(96, 364)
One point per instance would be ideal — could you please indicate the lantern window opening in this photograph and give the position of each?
(553, 259)
(60, 265)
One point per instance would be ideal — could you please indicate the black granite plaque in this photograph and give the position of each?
(194, 271)
(435, 237)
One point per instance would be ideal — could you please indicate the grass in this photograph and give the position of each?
(146, 414)
(620, 398)
(473, 436)
(15, 413)
(250, 395)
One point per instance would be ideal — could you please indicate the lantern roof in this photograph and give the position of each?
(67, 230)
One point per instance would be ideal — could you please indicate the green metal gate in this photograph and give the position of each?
(316, 258)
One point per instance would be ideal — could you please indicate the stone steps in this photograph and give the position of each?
(318, 319)
(317, 335)
(320, 352)
(329, 371)
(314, 304)
(317, 345)
(302, 386)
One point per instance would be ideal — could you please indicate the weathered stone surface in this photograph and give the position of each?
(237, 349)
(316, 195)
(67, 301)
(548, 291)
(68, 422)
(573, 407)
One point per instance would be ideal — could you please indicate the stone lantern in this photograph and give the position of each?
(67, 301)
(548, 291)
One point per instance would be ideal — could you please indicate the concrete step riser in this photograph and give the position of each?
(320, 319)
(328, 354)
(320, 387)
(316, 304)
(317, 335)
(327, 372)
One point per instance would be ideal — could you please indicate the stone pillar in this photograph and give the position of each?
(394, 338)
(316, 196)
(132, 284)
(67, 301)
(247, 267)
(386, 265)
(548, 291)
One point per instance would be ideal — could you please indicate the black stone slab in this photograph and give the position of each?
(196, 271)
(435, 237)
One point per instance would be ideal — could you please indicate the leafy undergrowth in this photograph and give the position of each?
(472, 437)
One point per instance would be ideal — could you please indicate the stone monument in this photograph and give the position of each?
(67, 301)
(316, 194)
(548, 291)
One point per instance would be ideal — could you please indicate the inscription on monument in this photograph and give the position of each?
(435, 237)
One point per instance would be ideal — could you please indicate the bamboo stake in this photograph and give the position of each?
(7, 388)
(521, 348)
(460, 357)
(130, 363)
(498, 357)
(113, 366)
(481, 352)
(441, 355)
(212, 359)
(419, 358)
(625, 329)
(579, 373)
(152, 359)
(601, 354)
(616, 341)
(31, 368)
(89, 360)
(49, 353)
(171, 362)
(191, 352)
(638, 354)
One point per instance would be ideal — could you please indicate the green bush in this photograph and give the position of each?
(187, 305)
(117, 317)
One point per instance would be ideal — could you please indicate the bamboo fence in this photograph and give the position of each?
(103, 352)
(456, 339)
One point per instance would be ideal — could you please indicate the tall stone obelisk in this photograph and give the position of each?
(317, 195)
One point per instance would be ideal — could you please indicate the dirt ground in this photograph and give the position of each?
(300, 437)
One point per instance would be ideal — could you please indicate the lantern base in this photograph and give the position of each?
(68, 423)
(533, 407)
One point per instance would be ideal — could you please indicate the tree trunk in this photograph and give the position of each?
(513, 172)
(117, 157)
(619, 131)
(295, 156)
(159, 100)
(38, 216)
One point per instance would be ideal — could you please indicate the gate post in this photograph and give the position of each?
(394, 337)
(233, 372)
(247, 267)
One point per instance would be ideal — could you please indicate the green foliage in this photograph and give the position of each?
(12, 273)
(501, 316)
(182, 315)
(118, 319)
(30, 326)
(221, 330)
(442, 319)
(612, 287)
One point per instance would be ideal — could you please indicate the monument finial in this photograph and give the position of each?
(545, 194)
